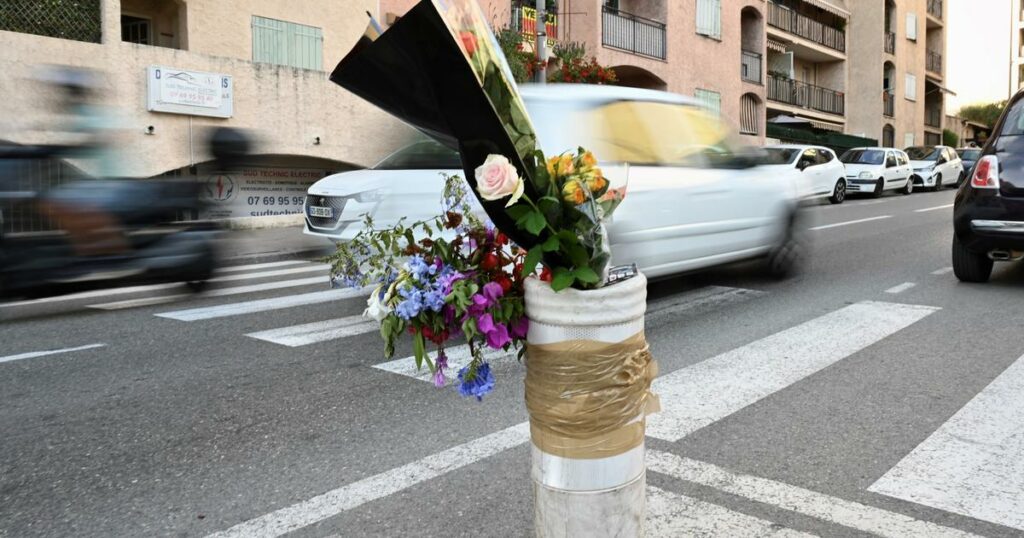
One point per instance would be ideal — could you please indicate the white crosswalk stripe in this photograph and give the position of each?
(277, 272)
(320, 331)
(251, 267)
(263, 305)
(671, 514)
(223, 292)
(974, 463)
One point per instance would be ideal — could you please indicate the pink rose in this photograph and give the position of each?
(497, 178)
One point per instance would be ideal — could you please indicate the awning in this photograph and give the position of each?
(827, 126)
(939, 85)
(777, 47)
(835, 10)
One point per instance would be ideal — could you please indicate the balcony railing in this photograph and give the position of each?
(524, 20)
(935, 8)
(804, 95)
(633, 33)
(750, 67)
(934, 62)
(933, 117)
(787, 20)
(890, 42)
(888, 104)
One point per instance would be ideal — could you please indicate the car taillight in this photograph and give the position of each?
(986, 173)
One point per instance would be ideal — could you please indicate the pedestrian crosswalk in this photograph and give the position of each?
(971, 465)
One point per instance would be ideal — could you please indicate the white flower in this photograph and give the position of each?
(376, 307)
(497, 178)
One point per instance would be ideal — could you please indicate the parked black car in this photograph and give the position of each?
(969, 156)
(988, 212)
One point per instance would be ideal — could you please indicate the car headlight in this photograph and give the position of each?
(865, 175)
(364, 197)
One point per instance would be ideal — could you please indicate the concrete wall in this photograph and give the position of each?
(286, 107)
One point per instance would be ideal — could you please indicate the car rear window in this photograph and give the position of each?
(970, 154)
(863, 156)
(780, 155)
(426, 155)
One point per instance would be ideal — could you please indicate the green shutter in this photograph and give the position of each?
(710, 100)
(709, 18)
(286, 43)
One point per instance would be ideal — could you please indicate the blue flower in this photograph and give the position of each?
(433, 300)
(419, 269)
(476, 383)
(412, 305)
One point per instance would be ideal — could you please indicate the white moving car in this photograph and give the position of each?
(694, 199)
(935, 166)
(819, 173)
(876, 170)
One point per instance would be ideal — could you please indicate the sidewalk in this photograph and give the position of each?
(270, 244)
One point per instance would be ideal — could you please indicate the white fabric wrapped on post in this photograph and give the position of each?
(587, 447)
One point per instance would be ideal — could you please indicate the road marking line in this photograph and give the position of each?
(925, 210)
(378, 486)
(943, 271)
(847, 223)
(149, 301)
(698, 395)
(91, 294)
(35, 354)
(262, 305)
(237, 268)
(320, 331)
(901, 288)
(972, 464)
(671, 514)
(459, 356)
(278, 272)
(850, 514)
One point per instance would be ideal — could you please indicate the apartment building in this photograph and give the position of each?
(1016, 45)
(897, 71)
(171, 69)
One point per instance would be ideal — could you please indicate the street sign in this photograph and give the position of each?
(195, 93)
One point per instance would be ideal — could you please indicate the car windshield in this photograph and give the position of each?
(780, 155)
(863, 156)
(969, 154)
(425, 155)
(923, 153)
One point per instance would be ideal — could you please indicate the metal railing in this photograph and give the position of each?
(889, 104)
(933, 117)
(524, 21)
(890, 42)
(935, 8)
(78, 20)
(750, 67)
(804, 95)
(633, 33)
(933, 62)
(790, 21)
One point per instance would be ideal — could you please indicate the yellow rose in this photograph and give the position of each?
(565, 165)
(596, 183)
(573, 193)
(552, 162)
(588, 159)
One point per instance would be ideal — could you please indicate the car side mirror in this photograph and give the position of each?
(802, 164)
(941, 160)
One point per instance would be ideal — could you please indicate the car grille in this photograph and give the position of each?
(335, 202)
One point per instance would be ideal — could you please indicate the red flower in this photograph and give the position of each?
(545, 275)
(505, 283)
(489, 262)
(469, 42)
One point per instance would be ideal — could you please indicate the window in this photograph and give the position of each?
(908, 140)
(136, 30)
(426, 155)
(710, 100)
(749, 115)
(824, 157)
(709, 18)
(923, 153)
(910, 90)
(286, 43)
(912, 26)
(863, 156)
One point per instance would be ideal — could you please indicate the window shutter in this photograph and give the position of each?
(287, 43)
(709, 18)
(908, 140)
(910, 89)
(710, 100)
(912, 26)
(749, 115)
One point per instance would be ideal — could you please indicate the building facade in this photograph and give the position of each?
(259, 65)
(1016, 46)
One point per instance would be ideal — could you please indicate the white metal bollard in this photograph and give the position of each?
(596, 486)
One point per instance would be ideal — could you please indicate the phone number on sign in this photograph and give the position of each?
(279, 200)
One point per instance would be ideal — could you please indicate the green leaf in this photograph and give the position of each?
(531, 261)
(520, 121)
(518, 211)
(562, 278)
(419, 346)
(535, 222)
(551, 244)
(586, 275)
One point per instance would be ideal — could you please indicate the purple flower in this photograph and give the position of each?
(485, 323)
(492, 291)
(520, 328)
(479, 306)
(498, 337)
(441, 363)
(476, 382)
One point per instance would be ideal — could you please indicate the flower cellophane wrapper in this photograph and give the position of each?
(588, 399)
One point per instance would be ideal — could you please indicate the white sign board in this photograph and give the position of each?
(195, 93)
(256, 191)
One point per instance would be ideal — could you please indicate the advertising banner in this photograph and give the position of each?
(195, 93)
(255, 191)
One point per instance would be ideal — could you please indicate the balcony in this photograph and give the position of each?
(804, 95)
(889, 104)
(890, 42)
(787, 20)
(750, 67)
(933, 62)
(935, 8)
(933, 117)
(632, 33)
(524, 21)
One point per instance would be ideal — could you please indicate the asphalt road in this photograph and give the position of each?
(872, 395)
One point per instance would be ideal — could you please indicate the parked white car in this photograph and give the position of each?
(876, 170)
(935, 166)
(694, 199)
(818, 172)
